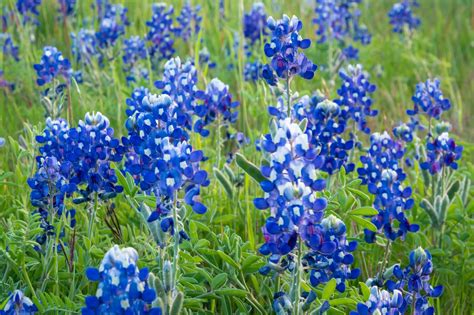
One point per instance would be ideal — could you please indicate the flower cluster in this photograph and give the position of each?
(401, 16)
(29, 10)
(218, 105)
(84, 47)
(161, 159)
(253, 71)
(123, 288)
(441, 152)
(52, 65)
(189, 22)
(284, 47)
(180, 83)
(205, 58)
(355, 95)
(18, 303)
(255, 23)
(67, 7)
(429, 97)
(382, 302)
(414, 280)
(291, 187)
(134, 49)
(8, 47)
(337, 20)
(382, 172)
(160, 31)
(4, 83)
(112, 23)
(330, 253)
(325, 128)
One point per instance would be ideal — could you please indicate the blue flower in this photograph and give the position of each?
(205, 58)
(401, 16)
(284, 48)
(441, 152)
(252, 71)
(350, 53)
(85, 47)
(8, 47)
(429, 97)
(382, 302)
(52, 65)
(4, 83)
(134, 49)
(330, 253)
(18, 303)
(67, 7)
(255, 23)
(160, 31)
(414, 280)
(123, 288)
(29, 10)
(2, 142)
(161, 159)
(403, 132)
(355, 95)
(112, 23)
(218, 105)
(189, 22)
(381, 171)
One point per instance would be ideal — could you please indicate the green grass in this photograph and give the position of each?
(442, 47)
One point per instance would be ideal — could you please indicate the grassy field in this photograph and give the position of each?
(225, 240)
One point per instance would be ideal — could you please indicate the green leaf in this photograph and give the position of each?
(364, 223)
(224, 182)
(365, 290)
(249, 168)
(219, 281)
(231, 292)
(329, 289)
(366, 211)
(227, 259)
(303, 124)
(342, 301)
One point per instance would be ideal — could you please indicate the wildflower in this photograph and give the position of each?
(18, 303)
(255, 23)
(382, 302)
(189, 22)
(382, 173)
(52, 65)
(112, 25)
(67, 7)
(8, 47)
(252, 71)
(160, 30)
(4, 83)
(429, 97)
(441, 152)
(29, 10)
(218, 105)
(401, 16)
(161, 159)
(284, 47)
(350, 53)
(205, 58)
(354, 95)
(85, 47)
(123, 288)
(134, 49)
(2, 142)
(414, 280)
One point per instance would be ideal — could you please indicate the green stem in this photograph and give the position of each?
(94, 212)
(288, 94)
(176, 244)
(296, 285)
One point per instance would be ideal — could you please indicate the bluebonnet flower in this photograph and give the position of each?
(255, 23)
(189, 22)
(85, 47)
(350, 53)
(325, 127)
(414, 281)
(161, 159)
(29, 10)
(112, 23)
(252, 71)
(52, 65)
(123, 288)
(339, 20)
(403, 132)
(330, 253)
(354, 95)
(382, 172)
(8, 47)
(382, 302)
(218, 105)
(18, 303)
(205, 58)
(160, 31)
(401, 16)
(180, 83)
(67, 7)
(429, 97)
(282, 303)
(134, 49)
(290, 188)
(4, 83)
(284, 47)
(441, 152)
(2, 142)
